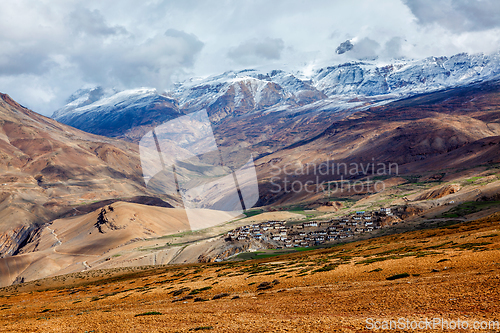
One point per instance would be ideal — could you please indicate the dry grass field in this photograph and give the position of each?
(452, 272)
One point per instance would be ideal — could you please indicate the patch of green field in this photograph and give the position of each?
(470, 207)
(261, 255)
(411, 178)
(253, 212)
(178, 235)
(296, 208)
(309, 214)
(279, 252)
(473, 179)
(342, 199)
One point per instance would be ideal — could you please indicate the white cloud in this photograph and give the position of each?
(50, 48)
(365, 49)
(457, 15)
(255, 50)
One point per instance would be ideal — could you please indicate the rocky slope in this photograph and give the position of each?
(276, 95)
(116, 113)
(435, 132)
(47, 168)
(346, 116)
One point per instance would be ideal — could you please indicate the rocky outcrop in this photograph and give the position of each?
(409, 211)
(439, 193)
(232, 248)
(12, 240)
(222, 254)
(344, 47)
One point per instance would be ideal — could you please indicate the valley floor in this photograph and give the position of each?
(451, 273)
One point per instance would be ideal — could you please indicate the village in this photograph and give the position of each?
(282, 234)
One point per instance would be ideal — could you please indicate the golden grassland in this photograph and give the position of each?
(450, 272)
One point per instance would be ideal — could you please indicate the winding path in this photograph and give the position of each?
(59, 242)
(85, 265)
(57, 239)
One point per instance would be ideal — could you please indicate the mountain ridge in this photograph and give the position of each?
(270, 110)
(353, 78)
(48, 167)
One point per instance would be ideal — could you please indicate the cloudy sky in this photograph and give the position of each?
(51, 48)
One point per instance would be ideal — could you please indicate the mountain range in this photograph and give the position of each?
(72, 191)
(399, 110)
(277, 94)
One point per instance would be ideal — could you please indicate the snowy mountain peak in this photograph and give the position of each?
(236, 93)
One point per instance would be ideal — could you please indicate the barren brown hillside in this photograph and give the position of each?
(117, 235)
(47, 168)
(435, 132)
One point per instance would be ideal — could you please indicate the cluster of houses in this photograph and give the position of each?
(277, 234)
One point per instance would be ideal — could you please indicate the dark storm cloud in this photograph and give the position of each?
(27, 60)
(369, 49)
(255, 49)
(118, 58)
(156, 60)
(102, 53)
(344, 47)
(457, 15)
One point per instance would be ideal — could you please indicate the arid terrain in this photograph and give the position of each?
(49, 169)
(173, 166)
(86, 246)
(435, 133)
(451, 272)
(76, 201)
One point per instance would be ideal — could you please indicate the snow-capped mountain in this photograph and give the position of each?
(114, 113)
(237, 93)
(407, 78)
(83, 97)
